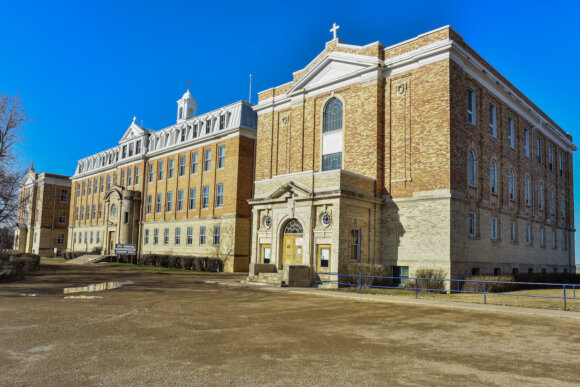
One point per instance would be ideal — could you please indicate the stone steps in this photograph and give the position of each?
(266, 279)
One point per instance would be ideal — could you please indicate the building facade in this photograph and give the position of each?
(180, 190)
(43, 214)
(418, 155)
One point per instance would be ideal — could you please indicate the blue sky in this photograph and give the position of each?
(84, 69)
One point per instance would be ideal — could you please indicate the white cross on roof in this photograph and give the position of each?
(334, 29)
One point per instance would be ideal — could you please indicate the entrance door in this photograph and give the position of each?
(111, 242)
(293, 246)
(323, 257)
(266, 253)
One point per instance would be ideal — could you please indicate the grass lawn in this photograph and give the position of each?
(514, 298)
(52, 260)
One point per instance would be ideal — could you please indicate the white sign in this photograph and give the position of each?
(299, 241)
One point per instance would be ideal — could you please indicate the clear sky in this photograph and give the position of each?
(84, 69)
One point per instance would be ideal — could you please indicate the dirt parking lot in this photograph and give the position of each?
(174, 329)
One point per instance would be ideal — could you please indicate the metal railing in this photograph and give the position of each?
(455, 285)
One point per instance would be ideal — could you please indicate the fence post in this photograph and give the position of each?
(564, 287)
(416, 289)
(484, 295)
(360, 283)
(477, 287)
(574, 290)
(457, 287)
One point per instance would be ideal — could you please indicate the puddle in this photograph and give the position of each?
(82, 289)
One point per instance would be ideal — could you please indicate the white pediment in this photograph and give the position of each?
(290, 189)
(132, 131)
(334, 67)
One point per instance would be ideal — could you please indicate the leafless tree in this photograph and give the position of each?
(12, 119)
(6, 238)
(224, 249)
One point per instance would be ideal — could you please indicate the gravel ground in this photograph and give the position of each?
(174, 329)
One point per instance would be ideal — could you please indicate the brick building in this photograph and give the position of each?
(179, 190)
(416, 155)
(43, 215)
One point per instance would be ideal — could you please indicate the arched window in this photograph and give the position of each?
(552, 201)
(333, 115)
(293, 227)
(541, 196)
(527, 191)
(512, 185)
(471, 177)
(493, 177)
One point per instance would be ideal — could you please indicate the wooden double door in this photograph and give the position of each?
(293, 249)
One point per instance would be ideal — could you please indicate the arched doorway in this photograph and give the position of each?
(293, 246)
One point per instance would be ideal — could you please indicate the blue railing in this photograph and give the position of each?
(455, 285)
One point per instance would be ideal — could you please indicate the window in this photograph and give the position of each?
(474, 271)
(131, 149)
(192, 194)
(207, 160)
(62, 217)
(494, 229)
(550, 158)
(195, 130)
(122, 178)
(138, 147)
(84, 188)
(78, 190)
(493, 178)
(222, 121)
(355, 245)
(541, 237)
(149, 199)
(194, 163)
(151, 172)
(180, 200)
(136, 175)
(202, 235)
(554, 239)
(511, 132)
(124, 153)
(400, 274)
(155, 236)
(126, 217)
(221, 156)
(63, 195)
(528, 235)
(208, 126)
(512, 185)
(333, 115)
(552, 202)
(496, 271)
(166, 236)
(540, 150)
(76, 213)
(146, 236)
(527, 191)
(94, 213)
(160, 172)
(98, 237)
(92, 234)
(171, 167)
(492, 120)
(472, 224)
(178, 235)
(102, 184)
(158, 203)
(541, 196)
(130, 177)
(82, 213)
(527, 142)
(75, 237)
(562, 206)
(86, 239)
(216, 235)
(513, 231)
(471, 169)
(181, 165)
(205, 197)
(220, 195)
(561, 163)
(108, 181)
(515, 271)
(564, 240)
(471, 106)
(189, 235)
(183, 134)
(169, 202)
(332, 161)
(100, 210)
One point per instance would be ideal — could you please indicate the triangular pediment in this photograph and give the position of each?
(133, 131)
(334, 67)
(290, 189)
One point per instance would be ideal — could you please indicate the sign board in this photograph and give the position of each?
(121, 249)
(299, 241)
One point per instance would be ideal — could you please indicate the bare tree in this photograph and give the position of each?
(223, 250)
(6, 238)
(12, 119)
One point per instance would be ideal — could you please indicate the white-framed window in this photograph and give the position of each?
(355, 238)
(208, 126)
(221, 156)
(90, 186)
(492, 120)
(194, 163)
(222, 121)
(98, 237)
(166, 236)
(158, 203)
(92, 236)
(160, 171)
(511, 133)
(561, 163)
(77, 213)
(102, 184)
(138, 147)
(219, 195)
(136, 175)
(182, 165)
(149, 200)
(100, 210)
(146, 236)
(178, 235)
(216, 235)
(155, 236)
(171, 168)
(182, 133)
(195, 130)
(332, 135)
(94, 213)
(554, 241)
(472, 224)
(207, 160)
(539, 153)
(471, 169)
(131, 145)
(151, 172)
(82, 213)
(493, 177)
(471, 109)
(108, 181)
(513, 231)
(130, 177)
(180, 200)
(550, 158)
(562, 206)
(512, 184)
(62, 217)
(541, 196)
(124, 153)
(75, 237)
(527, 142)
(202, 235)
(552, 202)
(527, 191)
(494, 229)
(205, 197)
(192, 194)
(63, 195)
(169, 207)
(541, 237)
(189, 235)
(528, 235)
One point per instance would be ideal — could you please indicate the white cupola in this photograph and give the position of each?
(186, 107)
